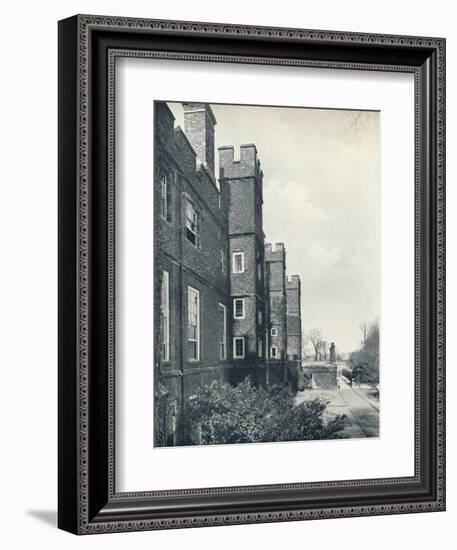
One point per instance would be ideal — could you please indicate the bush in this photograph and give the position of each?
(347, 373)
(221, 413)
(374, 393)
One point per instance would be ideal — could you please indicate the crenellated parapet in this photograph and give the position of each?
(293, 282)
(275, 252)
(248, 165)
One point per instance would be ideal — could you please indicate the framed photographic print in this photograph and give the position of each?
(251, 274)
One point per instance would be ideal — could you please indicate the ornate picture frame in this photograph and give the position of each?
(88, 48)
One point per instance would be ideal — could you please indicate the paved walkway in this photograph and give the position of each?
(362, 415)
(367, 393)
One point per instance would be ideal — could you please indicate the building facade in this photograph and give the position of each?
(221, 292)
(275, 276)
(293, 318)
(240, 184)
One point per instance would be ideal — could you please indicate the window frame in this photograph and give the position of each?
(259, 348)
(274, 331)
(197, 232)
(223, 343)
(239, 253)
(275, 356)
(224, 259)
(165, 197)
(165, 343)
(242, 339)
(191, 289)
(242, 300)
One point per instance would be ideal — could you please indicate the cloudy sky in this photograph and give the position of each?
(321, 198)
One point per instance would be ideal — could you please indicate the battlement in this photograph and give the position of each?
(248, 164)
(274, 252)
(293, 281)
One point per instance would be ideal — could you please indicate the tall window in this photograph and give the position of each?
(274, 352)
(238, 347)
(238, 262)
(238, 308)
(192, 224)
(165, 317)
(193, 337)
(165, 188)
(223, 258)
(259, 347)
(222, 332)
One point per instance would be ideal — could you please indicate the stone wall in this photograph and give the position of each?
(323, 376)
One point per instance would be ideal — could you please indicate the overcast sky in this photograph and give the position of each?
(321, 199)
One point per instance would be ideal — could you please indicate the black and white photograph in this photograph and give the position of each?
(266, 274)
(226, 285)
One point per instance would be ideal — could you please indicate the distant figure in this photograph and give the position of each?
(332, 352)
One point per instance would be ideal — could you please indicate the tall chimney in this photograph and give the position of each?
(199, 122)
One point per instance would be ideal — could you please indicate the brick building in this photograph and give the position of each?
(222, 292)
(275, 282)
(293, 318)
(241, 189)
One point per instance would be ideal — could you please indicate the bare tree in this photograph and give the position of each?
(365, 361)
(315, 337)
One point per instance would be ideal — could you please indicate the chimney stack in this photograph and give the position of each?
(199, 122)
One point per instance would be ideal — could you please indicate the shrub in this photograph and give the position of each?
(347, 373)
(221, 413)
(365, 362)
